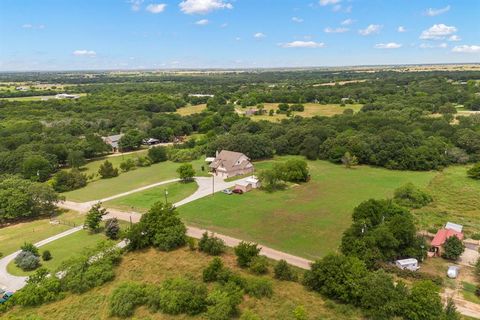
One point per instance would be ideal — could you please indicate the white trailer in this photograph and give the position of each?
(409, 264)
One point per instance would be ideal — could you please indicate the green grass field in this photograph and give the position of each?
(127, 181)
(311, 110)
(12, 237)
(306, 220)
(63, 249)
(143, 200)
(456, 199)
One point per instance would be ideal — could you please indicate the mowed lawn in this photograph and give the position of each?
(13, 236)
(456, 198)
(311, 110)
(188, 110)
(63, 249)
(143, 200)
(307, 219)
(127, 181)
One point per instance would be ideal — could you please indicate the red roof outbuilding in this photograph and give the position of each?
(443, 234)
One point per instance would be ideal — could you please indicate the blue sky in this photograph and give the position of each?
(135, 34)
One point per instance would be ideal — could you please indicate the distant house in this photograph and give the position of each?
(67, 96)
(22, 88)
(450, 230)
(113, 141)
(229, 164)
(200, 95)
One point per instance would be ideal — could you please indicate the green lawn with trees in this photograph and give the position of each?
(306, 219)
(61, 250)
(143, 200)
(13, 236)
(130, 180)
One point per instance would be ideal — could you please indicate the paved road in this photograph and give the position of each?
(14, 283)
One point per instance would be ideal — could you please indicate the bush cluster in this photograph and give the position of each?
(211, 245)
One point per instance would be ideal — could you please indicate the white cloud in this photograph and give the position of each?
(135, 4)
(27, 26)
(328, 2)
(454, 37)
(390, 45)
(466, 49)
(347, 22)
(203, 6)
(156, 7)
(371, 29)
(259, 35)
(224, 25)
(302, 44)
(432, 12)
(32, 26)
(438, 32)
(84, 53)
(297, 19)
(335, 30)
(202, 22)
(401, 29)
(442, 45)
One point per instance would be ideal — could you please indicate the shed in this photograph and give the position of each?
(244, 186)
(253, 180)
(454, 226)
(409, 264)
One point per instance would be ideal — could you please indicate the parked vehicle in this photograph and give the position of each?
(237, 191)
(5, 295)
(409, 264)
(227, 191)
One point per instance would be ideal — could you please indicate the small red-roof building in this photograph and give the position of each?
(442, 236)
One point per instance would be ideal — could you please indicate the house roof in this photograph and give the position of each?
(228, 160)
(407, 261)
(454, 226)
(443, 234)
(113, 140)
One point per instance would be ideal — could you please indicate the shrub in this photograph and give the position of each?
(27, 261)
(212, 245)
(191, 243)
(83, 273)
(41, 287)
(29, 247)
(249, 315)
(127, 165)
(179, 295)
(283, 271)
(408, 274)
(112, 228)
(186, 172)
(125, 298)
(411, 197)
(299, 313)
(46, 255)
(65, 181)
(223, 302)
(453, 247)
(259, 287)
(157, 154)
(245, 252)
(474, 172)
(226, 275)
(211, 272)
(107, 170)
(337, 277)
(296, 170)
(259, 265)
(94, 217)
(476, 236)
(143, 162)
